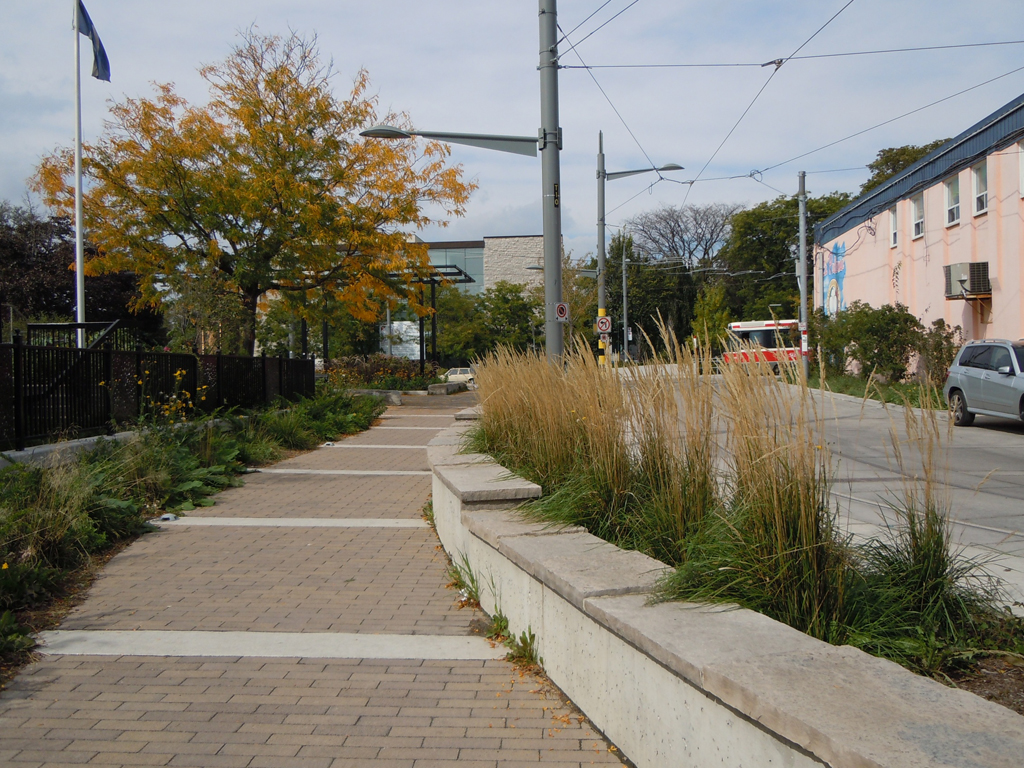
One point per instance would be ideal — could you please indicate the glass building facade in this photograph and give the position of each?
(467, 255)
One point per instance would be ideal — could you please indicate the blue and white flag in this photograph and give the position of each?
(100, 64)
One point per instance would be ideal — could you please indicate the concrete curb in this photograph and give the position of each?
(676, 684)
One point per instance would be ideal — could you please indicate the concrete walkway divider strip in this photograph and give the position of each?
(294, 522)
(318, 645)
(393, 472)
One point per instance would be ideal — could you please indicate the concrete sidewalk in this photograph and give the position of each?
(301, 621)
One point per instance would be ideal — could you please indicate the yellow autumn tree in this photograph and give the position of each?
(267, 188)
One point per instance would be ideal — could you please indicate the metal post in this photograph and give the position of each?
(625, 308)
(19, 391)
(433, 321)
(325, 343)
(422, 339)
(389, 331)
(550, 144)
(79, 239)
(802, 276)
(304, 333)
(601, 305)
(108, 378)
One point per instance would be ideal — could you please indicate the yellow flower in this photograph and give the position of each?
(103, 384)
(5, 567)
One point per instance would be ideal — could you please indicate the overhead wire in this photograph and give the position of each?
(592, 15)
(892, 120)
(710, 65)
(572, 47)
(778, 65)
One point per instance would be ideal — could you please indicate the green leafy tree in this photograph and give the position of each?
(268, 186)
(759, 255)
(652, 291)
(511, 316)
(889, 162)
(711, 315)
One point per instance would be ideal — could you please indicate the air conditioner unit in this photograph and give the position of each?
(968, 278)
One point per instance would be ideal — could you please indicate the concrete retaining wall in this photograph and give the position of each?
(686, 685)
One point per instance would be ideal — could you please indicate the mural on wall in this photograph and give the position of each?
(834, 272)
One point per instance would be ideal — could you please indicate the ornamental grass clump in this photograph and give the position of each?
(923, 602)
(775, 545)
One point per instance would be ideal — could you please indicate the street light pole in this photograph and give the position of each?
(601, 305)
(550, 143)
(602, 176)
(802, 277)
(625, 307)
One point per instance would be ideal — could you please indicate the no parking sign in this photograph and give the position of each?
(562, 312)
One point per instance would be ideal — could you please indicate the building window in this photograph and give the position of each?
(892, 227)
(917, 209)
(953, 201)
(980, 174)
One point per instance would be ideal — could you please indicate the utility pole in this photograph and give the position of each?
(625, 309)
(802, 276)
(601, 311)
(79, 224)
(550, 143)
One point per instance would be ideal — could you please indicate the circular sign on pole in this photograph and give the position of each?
(604, 325)
(562, 312)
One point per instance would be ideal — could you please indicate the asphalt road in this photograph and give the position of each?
(981, 467)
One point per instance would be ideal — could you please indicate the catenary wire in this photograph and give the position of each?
(778, 66)
(709, 65)
(618, 115)
(572, 47)
(892, 120)
(592, 15)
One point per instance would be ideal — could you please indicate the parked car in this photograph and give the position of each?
(986, 377)
(465, 375)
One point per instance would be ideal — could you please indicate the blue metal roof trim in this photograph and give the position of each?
(1002, 127)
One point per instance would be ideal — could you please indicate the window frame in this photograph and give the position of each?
(950, 205)
(917, 216)
(979, 172)
(894, 229)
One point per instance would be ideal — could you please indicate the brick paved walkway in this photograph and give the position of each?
(250, 711)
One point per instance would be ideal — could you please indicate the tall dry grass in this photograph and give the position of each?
(728, 477)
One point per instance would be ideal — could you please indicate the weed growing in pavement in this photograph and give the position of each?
(728, 479)
(428, 514)
(523, 650)
(462, 578)
(498, 631)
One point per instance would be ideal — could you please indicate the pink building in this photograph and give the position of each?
(944, 237)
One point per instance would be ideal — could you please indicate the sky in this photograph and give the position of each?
(470, 66)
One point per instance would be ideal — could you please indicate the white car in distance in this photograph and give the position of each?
(464, 375)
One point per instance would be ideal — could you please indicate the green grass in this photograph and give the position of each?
(897, 393)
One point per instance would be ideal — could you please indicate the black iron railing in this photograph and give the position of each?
(50, 392)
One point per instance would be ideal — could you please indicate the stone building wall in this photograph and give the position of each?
(507, 258)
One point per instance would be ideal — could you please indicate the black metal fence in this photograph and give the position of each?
(48, 392)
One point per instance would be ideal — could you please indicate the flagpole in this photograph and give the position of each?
(79, 239)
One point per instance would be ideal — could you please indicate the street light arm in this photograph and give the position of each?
(624, 174)
(518, 145)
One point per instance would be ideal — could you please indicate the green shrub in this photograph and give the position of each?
(382, 371)
(937, 348)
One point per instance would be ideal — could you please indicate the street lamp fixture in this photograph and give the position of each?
(602, 176)
(518, 145)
